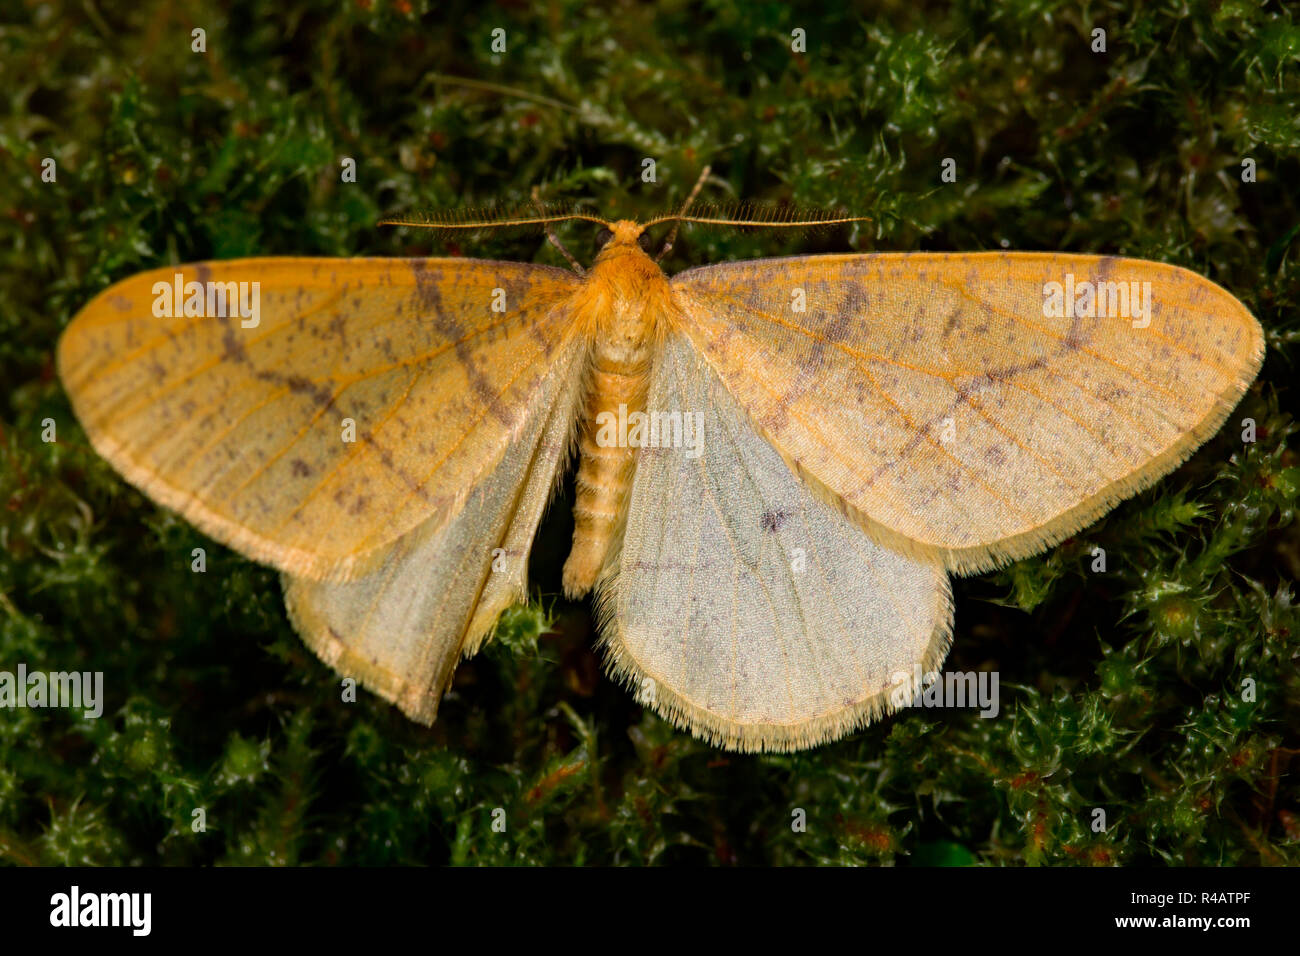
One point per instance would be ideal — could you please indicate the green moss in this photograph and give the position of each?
(1120, 690)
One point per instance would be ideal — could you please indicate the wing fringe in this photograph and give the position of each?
(718, 730)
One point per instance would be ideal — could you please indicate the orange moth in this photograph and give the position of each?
(779, 462)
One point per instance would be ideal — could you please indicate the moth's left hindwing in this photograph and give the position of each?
(401, 630)
(743, 608)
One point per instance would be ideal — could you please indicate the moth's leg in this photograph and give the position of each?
(555, 240)
(695, 191)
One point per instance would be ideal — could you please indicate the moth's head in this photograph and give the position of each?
(620, 238)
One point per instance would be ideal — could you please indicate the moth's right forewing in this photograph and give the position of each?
(362, 399)
(952, 405)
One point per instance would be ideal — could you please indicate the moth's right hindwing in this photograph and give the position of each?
(743, 608)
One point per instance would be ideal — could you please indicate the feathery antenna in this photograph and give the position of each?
(760, 215)
(483, 218)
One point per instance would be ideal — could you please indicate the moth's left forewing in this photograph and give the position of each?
(357, 398)
(973, 408)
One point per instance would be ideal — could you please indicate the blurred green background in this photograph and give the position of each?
(1121, 691)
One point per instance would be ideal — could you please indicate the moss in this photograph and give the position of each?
(1121, 691)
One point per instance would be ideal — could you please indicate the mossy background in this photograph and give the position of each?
(1120, 690)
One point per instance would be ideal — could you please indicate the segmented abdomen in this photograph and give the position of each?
(619, 376)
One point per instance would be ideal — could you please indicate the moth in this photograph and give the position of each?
(779, 462)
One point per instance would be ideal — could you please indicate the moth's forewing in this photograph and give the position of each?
(313, 410)
(744, 608)
(963, 408)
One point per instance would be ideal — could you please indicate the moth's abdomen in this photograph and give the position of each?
(618, 382)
